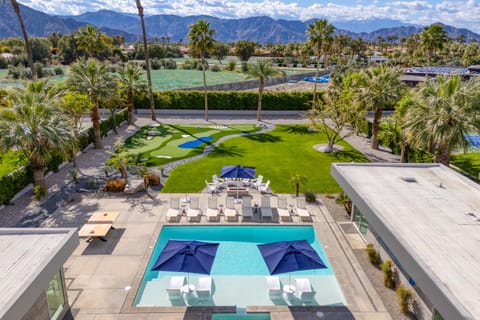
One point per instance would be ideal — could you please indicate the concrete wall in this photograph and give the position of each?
(254, 83)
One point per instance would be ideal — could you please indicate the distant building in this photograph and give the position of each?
(426, 218)
(32, 284)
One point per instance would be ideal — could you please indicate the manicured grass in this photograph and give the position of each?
(162, 149)
(278, 155)
(11, 161)
(469, 162)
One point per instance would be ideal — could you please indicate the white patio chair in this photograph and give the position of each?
(175, 289)
(264, 188)
(258, 182)
(274, 288)
(282, 209)
(230, 210)
(193, 212)
(174, 211)
(247, 209)
(302, 210)
(304, 289)
(218, 181)
(211, 187)
(265, 208)
(212, 210)
(204, 288)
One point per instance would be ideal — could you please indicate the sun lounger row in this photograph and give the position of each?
(213, 212)
(178, 287)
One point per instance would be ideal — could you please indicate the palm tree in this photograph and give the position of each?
(202, 42)
(262, 70)
(91, 40)
(131, 82)
(297, 181)
(28, 47)
(147, 61)
(320, 34)
(379, 87)
(93, 78)
(445, 110)
(36, 127)
(434, 37)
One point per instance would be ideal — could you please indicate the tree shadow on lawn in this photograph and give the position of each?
(222, 151)
(349, 156)
(301, 130)
(264, 137)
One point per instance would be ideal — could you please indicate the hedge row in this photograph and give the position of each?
(226, 100)
(11, 184)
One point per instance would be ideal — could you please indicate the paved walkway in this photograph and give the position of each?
(25, 212)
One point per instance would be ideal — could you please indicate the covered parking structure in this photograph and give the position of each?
(427, 218)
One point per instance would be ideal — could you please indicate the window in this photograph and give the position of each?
(360, 221)
(55, 296)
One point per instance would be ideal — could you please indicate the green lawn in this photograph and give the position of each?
(161, 149)
(277, 155)
(469, 162)
(11, 161)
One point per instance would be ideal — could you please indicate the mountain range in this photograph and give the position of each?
(258, 29)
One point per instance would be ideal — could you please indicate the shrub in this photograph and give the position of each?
(153, 179)
(405, 299)
(215, 68)
(170, 64)
(58, 71)
(187, 65)
(373, 255)
(13, 183)
(344, 200)
(310, 196)
(39, 70)
(115, 185)
(199, 65)
(231, 65)
(389, 274)
(155, 64)
(39, 192)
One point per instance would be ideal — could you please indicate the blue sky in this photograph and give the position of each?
(457, 13)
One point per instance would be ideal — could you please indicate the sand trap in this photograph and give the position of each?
(166, 157)
(324, 148)
(185, 135)
(154, 125)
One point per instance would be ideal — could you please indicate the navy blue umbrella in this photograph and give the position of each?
(289, 256)
(187, 256)
(238, 172)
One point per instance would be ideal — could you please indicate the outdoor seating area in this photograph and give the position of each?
(98, 226)
(224, 208)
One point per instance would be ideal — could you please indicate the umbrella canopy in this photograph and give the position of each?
(238, 172)
(187, 256)
(289, 256)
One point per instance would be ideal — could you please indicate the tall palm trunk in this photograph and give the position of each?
(260, 95)
(97, 139)
(205, 87)
(38, 172)
(130, 107)
(376, 127)
(147, 62)
(443, 155)
(28, 48)
(314, 101)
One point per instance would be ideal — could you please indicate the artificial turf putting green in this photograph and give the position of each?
(163, 148)
(277, 155)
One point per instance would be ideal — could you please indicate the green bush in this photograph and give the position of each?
(169, 64)
(373, 255)
(310, 196)
(215, 68)
(39, 192)
(405, 299)
(389, 274)
(13, 183)
(58, 71)
(155, 64)
(231, 65)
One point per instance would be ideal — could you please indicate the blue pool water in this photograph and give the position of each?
(195, 143)
(238, 264)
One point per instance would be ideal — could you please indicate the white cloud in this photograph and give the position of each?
(457, 13)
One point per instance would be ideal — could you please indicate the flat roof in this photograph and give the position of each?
(30, 259)
(429, 217)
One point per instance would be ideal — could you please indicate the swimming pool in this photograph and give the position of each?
(238, 271)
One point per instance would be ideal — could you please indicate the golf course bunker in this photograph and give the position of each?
(195, 143)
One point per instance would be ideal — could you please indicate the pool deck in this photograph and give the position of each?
(102, 278)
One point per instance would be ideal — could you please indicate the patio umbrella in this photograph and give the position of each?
(238, 172)
(289, 256)
(187, 256)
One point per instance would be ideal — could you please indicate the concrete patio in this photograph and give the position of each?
(102, 278)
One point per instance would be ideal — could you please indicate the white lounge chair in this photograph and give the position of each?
(304, 290)
(211, 187)
(204, 288)
(264, 188)
(258, 182)
(174, 211)
(230, 210)
(219, 182)
(274, 288)
(266, 209)
(282, 209)
(175, 289)
(193, 212)
(212, 210)
(247, 209)
(302, 210)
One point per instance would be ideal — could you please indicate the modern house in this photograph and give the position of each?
(32, 284)
(426, 217)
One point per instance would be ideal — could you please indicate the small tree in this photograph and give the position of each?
(120, 159)
(344, 200)
(297, 181)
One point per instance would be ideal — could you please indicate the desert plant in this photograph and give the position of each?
(231, 65)
(389, 274)
(74, 173)
(373, 255)
(297, 181)
(39, 192)
(344, 200)
(310, 196)
(115, 185)
(405, 298)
